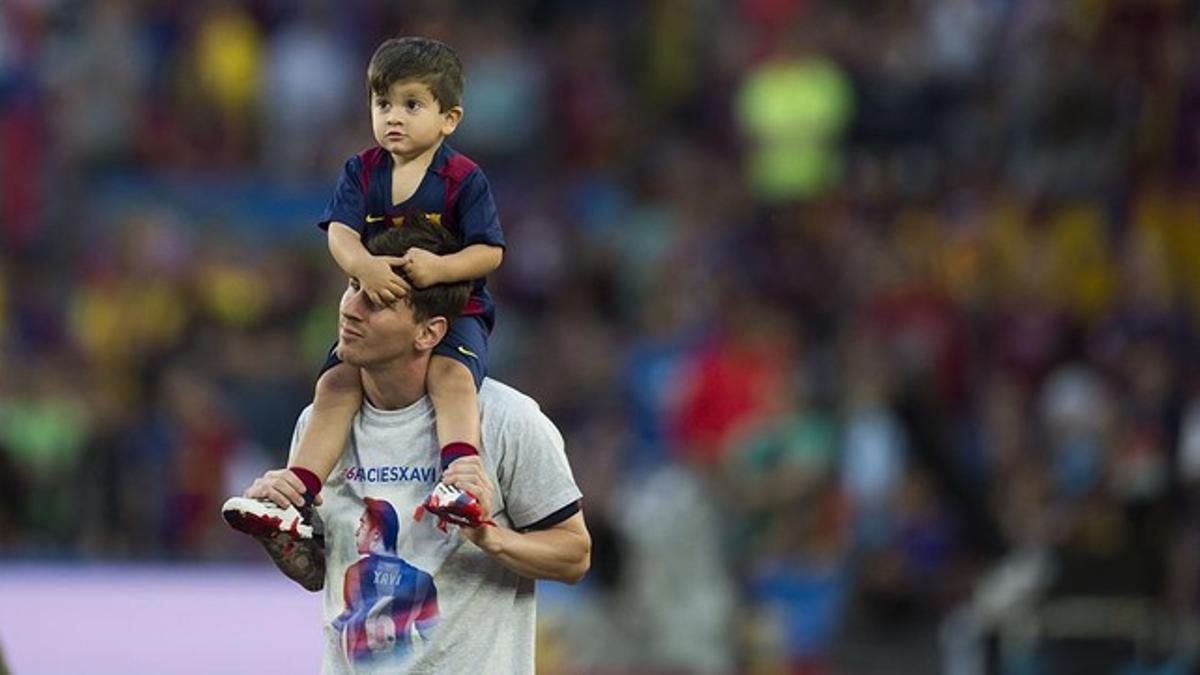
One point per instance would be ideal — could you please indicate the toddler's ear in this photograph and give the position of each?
(450, 120)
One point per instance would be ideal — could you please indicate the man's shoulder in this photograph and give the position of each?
(305, 413)
(496, 395)
(506, 410)
(515, 427)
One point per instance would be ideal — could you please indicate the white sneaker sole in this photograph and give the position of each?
(258, 518)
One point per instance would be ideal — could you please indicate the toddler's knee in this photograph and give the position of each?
(341, 380)
(447, 374)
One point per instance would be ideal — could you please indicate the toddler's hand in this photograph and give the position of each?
(381, 284)
(422, 267)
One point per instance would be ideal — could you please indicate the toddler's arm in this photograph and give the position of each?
(374, 273)
(474, 261)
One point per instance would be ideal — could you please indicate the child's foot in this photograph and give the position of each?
(263, 518)
(453, 505)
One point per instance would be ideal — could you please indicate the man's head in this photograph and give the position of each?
(415, 87)
(408, 329)
(379, 525)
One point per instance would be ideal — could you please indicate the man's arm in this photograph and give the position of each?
(303, 561)
(562, 552)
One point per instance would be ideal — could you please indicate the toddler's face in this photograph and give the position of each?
(407, 120)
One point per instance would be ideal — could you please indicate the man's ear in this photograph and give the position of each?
(450, 120)
(431, 332)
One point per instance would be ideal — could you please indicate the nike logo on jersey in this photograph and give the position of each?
(435, 218)
(467, 352)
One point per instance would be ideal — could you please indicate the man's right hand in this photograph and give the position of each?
(281, 486)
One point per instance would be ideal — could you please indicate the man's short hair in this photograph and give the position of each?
(382, 516)
(418, 231)
(430, 62)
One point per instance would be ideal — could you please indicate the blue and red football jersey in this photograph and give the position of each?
(454, 193)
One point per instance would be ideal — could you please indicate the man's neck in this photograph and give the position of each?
(395, 385)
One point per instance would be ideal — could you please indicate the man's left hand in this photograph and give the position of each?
(468, 473)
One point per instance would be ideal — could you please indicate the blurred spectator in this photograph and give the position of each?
(680, 601)
(310, 84)
(735, 382)
(793, 109)
(95, 125)
(505, 96)
(226, 62)
(22, 168)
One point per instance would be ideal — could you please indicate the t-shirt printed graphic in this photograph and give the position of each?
(390, 605)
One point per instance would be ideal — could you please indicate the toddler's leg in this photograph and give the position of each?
(337, 400)
(338, 397)
(452, 390)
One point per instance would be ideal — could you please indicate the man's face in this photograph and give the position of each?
(364, 534)
(407, 120)
(370, 334)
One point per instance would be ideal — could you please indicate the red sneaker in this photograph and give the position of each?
(452, 505)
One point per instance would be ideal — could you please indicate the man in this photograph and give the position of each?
(482, 577)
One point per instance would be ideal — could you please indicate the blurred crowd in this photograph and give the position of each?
(868, 323)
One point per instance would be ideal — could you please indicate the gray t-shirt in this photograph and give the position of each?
(423, 600)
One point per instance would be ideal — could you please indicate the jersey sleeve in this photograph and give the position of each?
(534, 475)
(349, 202)
(476, 215)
